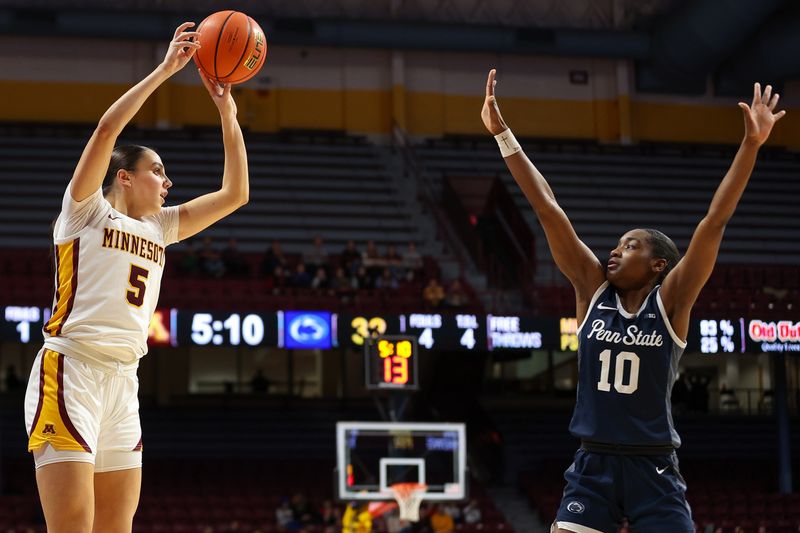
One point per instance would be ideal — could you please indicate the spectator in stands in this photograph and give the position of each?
(453, 511)
(433, 293)
(301, 279)
(259, 384)
(320, 279)
(350, 258)
(211, 260)
(284, 516)
(441, 522)
(234, 260)
(456, 296)
(330, 516)
(372, 260)
(394, 261)
(12, 381)
(190, 262)
(472, 512)
(276, 282)
(386, 280)
(303, 512)
(273, 257)
(362, 279)
(357, 518)
(316, 257)
(412, 261)
(341, 284)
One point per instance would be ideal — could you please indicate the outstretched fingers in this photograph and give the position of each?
(183, 27)
(490, 83)
(765, 98)
(773, 102)
(756, 94)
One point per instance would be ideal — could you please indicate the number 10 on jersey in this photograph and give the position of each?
(391, 363)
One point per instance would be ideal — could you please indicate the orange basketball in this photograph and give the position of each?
(233, 47)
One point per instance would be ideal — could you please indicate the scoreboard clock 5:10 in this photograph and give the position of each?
(227, 329)
(391, 363)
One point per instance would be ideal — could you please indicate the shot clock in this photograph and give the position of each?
(391, 363)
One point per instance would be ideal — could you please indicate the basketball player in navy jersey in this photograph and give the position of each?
(634, 317)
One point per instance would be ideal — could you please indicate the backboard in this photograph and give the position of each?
(371, 456)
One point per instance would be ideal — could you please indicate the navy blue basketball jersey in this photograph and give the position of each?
(627, 364)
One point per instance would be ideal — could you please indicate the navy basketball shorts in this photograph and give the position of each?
(603, 489)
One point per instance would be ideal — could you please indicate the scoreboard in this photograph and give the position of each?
(464, 332)
(445, 332)
(391, 363)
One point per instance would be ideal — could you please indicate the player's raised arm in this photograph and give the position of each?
(571, 255)
(683, 284)
(201, 212)
(93, 164)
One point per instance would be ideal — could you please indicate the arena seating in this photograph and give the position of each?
(302, 184)
(607, 190)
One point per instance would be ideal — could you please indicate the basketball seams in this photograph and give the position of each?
(256, 68)
(219, 38)
(244, 49)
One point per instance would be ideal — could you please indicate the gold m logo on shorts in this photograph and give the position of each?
(48, 428)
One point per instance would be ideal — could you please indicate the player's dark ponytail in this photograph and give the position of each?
(125, 158)
(663, 248)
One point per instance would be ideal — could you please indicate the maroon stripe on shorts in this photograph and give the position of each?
(41, 394)
(62, 407)
(138, 446)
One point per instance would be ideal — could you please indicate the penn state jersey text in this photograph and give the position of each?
(627, 365)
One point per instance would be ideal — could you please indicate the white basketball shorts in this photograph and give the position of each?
(77, 412)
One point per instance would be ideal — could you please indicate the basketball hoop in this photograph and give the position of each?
(409, 497)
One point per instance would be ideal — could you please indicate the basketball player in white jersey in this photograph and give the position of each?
(81, 406)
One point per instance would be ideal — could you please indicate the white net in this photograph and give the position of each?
(409, 497)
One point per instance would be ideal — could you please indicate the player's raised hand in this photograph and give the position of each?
(220, 94)
(760, 116)
(182, 47)
(490, 113)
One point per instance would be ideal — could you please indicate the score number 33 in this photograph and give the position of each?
(619, 372)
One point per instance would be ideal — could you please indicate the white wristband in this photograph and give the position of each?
(508, 143)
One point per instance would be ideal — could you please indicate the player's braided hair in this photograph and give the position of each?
(122, 158)
(663, 248)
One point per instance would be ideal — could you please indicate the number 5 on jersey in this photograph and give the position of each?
(135, 294)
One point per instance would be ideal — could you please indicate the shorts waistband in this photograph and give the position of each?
(609, 448)
(109, 367)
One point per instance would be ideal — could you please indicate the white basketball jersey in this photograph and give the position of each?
(108, 276)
